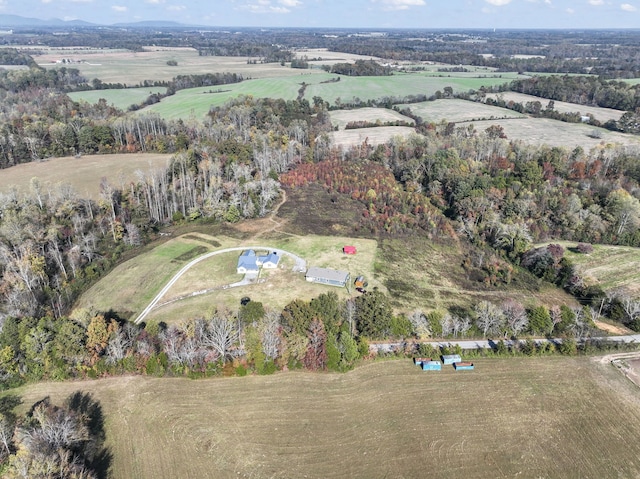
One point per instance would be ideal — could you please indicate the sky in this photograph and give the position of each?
(565, 14)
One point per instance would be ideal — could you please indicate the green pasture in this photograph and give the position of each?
(120, 98)
(196, 102)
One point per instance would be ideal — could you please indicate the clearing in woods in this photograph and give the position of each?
(82, 173)
(136, 281)
(510, 417)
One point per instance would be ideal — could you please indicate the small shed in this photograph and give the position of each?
(431, 366)
(349, 249)
(462, 366)
(332, 277)
(419, 361)
(451, 358)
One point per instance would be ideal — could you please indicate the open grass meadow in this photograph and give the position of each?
(196, 102)
(136, 282)
(120, 98)
(423, 274)
(82, 173)
(511, 417)
(610, 267)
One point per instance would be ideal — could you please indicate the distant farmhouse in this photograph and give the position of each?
(328, 276)
(269, 261)
(250, 263)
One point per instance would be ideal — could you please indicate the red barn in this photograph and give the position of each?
(349, 250)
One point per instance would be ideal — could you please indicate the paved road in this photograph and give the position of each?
(300, 266)
(488, 343)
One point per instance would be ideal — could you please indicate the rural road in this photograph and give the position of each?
(300, 266)
(490, 344)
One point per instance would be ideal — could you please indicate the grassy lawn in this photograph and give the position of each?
(121, 98)
(519, 417)
(84, 173)
(136, 282)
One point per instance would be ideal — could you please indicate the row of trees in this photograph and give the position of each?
(320, 334)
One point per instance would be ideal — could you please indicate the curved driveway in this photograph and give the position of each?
(299, 267)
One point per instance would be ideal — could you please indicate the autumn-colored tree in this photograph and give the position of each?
(315, 358)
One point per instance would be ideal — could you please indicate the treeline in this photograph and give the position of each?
(581, 89)
(361, 68)
(11, 56)
(354, 125)
(325, 333)
(51, 441)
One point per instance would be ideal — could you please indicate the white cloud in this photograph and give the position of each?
(176, 8)
(627, 7)
(498, 3)
(82, 1)
(119, 8)
(154, 2)
(400, 4)
(570, 11)
(43, 1)
(290, 3)
(596, 2)
(265, 6)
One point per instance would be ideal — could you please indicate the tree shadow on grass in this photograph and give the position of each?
(98, 457)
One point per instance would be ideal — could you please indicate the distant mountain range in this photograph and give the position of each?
(16, 21)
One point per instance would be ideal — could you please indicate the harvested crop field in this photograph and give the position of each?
(456, 111)
(341, 118)
(541, 131)
(82, 173)
(512, 417)
(600, 114)
(131, 68)
(374, 136)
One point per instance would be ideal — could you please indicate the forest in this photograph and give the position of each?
(449, 183)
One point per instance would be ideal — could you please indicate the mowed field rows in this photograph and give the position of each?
(610, 267)
(452, 110)
(519, 417)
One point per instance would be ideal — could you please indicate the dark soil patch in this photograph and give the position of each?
(312, 210)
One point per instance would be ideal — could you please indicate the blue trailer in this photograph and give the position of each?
(419, 361)
(451, 358)
(431, 366)
(462, 366)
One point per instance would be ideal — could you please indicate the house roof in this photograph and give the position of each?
(270, 258)
(247, 260)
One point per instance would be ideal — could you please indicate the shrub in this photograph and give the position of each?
(584, 248)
